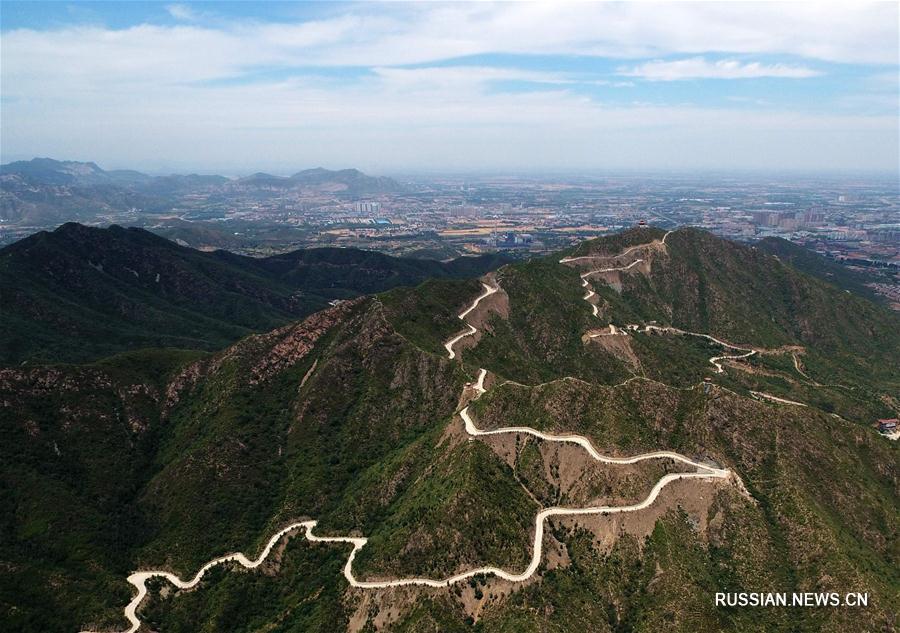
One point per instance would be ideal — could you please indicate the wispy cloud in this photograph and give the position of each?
(389, 121)
(425, 85)
(701, 68)
(182, 12)
(469, 77)
(400, 34)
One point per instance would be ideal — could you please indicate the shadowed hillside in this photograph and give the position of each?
(79, 293)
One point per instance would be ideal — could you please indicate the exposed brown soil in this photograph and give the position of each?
(296, 341)
(276, 350)
(693, 496)
(617, 345)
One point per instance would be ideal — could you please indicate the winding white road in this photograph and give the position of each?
(747, 352)
(581, 440)
(488, 291)
(590, 291)
(767, 396)
(449, 344)
(566, 260)
(139, 579)
(584, 276)
(614, 331)
(715, 359)
(704, 471)
(610, 270)
(587, 297)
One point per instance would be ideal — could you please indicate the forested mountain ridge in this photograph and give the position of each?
(820, 266)
(79, 293)
(353, 418)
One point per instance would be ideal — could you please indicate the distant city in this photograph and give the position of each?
(855, 221)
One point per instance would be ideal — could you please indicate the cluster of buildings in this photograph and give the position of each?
(367, 206)
(510, 240)
(853, 221)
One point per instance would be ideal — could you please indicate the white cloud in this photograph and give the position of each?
(854, 33)
(399, 34)
(700, 68)
(393, 122)
(750, 100)
(182, 12)
(464, 77)
(121, 96)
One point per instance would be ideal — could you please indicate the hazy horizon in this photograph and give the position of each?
(453, 88)
(535, 173)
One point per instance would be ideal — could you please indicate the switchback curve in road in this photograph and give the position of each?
(488, 291)
(748, 351)
(647, 328)
(566, 260)
(139, 579)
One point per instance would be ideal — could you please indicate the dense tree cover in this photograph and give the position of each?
(80, 293)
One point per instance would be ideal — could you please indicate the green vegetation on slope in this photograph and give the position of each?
(819, 266)
(231, 449)
(466, 508)
(301, 593)
(826, 487)
(169, 458)
(541, 338)
(81, 293)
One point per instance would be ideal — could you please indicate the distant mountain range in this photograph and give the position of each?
(352, 180)
(47, 171)
(46, 191)
(78, 292)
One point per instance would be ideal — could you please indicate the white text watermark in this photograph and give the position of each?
(797, 599)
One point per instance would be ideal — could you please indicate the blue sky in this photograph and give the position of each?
(237, 87)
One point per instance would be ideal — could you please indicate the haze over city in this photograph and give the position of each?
(451, 87)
